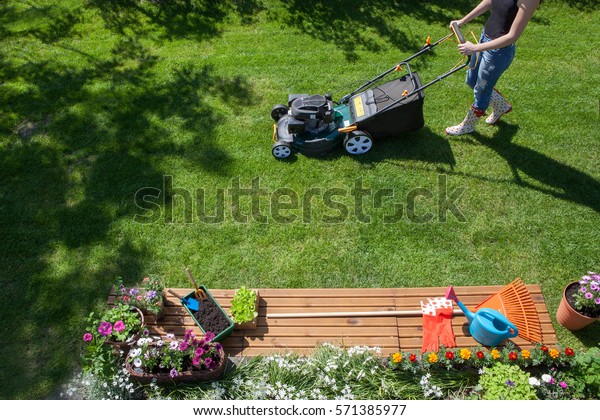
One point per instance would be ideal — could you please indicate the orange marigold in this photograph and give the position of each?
(397, 357)
(526, 354)
(554, 353)
(433, 358)
(465, 354)
(495, 354)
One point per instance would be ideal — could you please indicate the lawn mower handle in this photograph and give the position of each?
(459, 35)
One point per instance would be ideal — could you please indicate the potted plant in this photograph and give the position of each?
(114, 329)
(148, 296)
(244, 308)
(580, 304)
(189, 359)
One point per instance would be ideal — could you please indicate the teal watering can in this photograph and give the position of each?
(488, 326)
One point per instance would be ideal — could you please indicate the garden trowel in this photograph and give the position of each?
(192, 304)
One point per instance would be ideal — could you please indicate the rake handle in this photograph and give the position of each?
(350, 314)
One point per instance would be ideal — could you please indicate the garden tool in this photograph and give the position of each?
(199, 293)
(192, 304)
(487, 326)
(516, 303)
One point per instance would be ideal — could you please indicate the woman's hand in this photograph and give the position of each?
(458, 22)
(468, 48)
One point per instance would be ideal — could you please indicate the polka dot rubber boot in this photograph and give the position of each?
(499, 107)
(468, 124)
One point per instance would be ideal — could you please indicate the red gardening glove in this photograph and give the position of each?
(430, 334)
(444, 327)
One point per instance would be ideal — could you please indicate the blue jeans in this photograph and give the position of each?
(488, 67)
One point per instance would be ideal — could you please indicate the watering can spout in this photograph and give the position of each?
(452, 296)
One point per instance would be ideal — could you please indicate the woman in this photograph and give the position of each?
(491, 57)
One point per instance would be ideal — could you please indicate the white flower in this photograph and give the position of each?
(546, 378)
(137, 362)
(135, 352)
(173, 345)
(534, 381)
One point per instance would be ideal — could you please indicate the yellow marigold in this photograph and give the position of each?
(495, 354)
(554, 353)
(526, 354)
(465, 354)
(397, 357)
(432, 358)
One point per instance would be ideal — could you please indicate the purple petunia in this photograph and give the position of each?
(589, 295)
(151, 294)
(199, 352)
(196, 360)
(209, 336)
(133, 292)
(563, 385)
(183, 346)
(210, 363)
(597, 301)
(105, 328)
(173, 373)
(87, 337)
(583, 289)
(594, 286)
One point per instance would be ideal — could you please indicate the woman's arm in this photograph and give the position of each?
(480, 9)
(524, 14)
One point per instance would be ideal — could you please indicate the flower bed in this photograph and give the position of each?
(363, 373)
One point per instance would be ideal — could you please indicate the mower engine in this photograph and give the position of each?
(308, 124)
(310, 113)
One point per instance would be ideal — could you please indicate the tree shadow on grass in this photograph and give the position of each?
(77, 142)
(558, 179)
(354, 25)
(172, 19)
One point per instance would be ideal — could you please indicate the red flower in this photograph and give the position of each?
(449, 355)
(412, 357)
(513, 356)
(544, 349)
(569, 352)
(480, 355)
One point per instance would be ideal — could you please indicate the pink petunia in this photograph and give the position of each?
(119, 326)
(563, 385)
(87, 337)
(589, 295)
(105, 328)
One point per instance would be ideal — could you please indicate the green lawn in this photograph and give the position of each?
(103, 98)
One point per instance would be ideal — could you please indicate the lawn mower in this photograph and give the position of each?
(314, 125)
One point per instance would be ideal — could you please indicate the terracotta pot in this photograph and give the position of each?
(568, 317)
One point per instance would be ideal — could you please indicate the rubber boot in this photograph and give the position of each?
(500, 106)
(468, 124)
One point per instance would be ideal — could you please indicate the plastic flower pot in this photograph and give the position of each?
(210, 315)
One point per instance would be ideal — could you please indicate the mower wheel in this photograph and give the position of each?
(358, 143)
(278, 111)
(281, 150)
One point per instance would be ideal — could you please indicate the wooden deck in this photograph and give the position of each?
(301, 335)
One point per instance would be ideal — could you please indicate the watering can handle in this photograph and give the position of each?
(513, 327)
